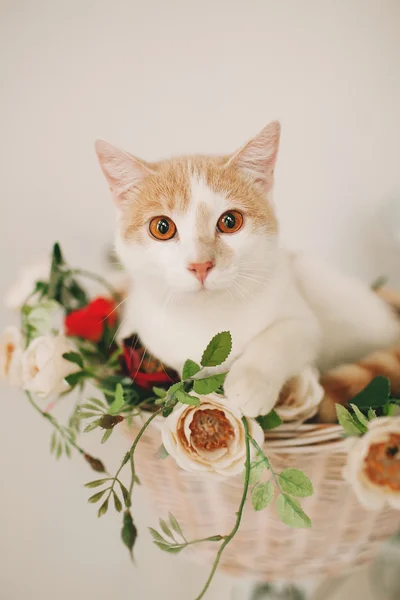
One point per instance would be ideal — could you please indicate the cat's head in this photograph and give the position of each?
(197, 223)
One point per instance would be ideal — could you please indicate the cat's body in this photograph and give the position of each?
(199, 237)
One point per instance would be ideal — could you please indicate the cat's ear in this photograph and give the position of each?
(257, 158)
(122, 170)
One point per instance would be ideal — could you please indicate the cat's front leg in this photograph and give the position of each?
(274, 356)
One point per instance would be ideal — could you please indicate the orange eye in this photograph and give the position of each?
(162, 228)
(230, 222)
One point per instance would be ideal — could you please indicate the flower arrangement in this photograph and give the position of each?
(68, 342)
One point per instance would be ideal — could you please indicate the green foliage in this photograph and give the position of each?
(217, 350)
(96, 483)
(290, 512)
(210, 384)
(185, 398)
(374, 395)
(371, 414)
(106, 435)
(360, 416)
(269, 421)
(97, 496)
(190, 368)
(350, 423)
(160, 392)
(295, 482)
(262, 495)
(103, 508)
(118, 402)
(74, 357)
(256, 470)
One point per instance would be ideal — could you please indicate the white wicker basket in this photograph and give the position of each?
(343, 533)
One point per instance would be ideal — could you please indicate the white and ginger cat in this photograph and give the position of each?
(199, 239)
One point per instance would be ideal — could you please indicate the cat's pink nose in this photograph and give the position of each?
(201, 270)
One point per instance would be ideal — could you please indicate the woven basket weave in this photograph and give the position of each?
(343, 533)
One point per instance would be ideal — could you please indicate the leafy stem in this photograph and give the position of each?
(64, 433)
(265, 460)
(228, 538)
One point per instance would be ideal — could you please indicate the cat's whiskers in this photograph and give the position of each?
(117, 332)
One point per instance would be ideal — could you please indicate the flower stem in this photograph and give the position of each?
(133, 448)
(98, 278)
(55, 424)
(239, 513)
(267, 463)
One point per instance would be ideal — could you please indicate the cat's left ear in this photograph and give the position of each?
(257, 158)
(123, 171)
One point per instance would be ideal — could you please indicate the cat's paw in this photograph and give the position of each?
(251, 390)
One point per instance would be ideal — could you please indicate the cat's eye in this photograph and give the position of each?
(230, 222)
(162, 228)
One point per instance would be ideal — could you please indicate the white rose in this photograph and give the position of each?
(25, 284)
(209, 438)
(373, 464)
(43, 367)
(300, 397)
(11, 350)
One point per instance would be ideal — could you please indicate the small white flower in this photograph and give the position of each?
(373, 464)
(300, 397)
(209, 438)
(43, 367)
(11, 350)
(25, 284)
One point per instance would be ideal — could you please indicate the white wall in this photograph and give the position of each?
(160, 77)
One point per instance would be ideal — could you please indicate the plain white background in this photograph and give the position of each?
(161, 78)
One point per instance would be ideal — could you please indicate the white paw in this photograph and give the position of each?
(254, 392)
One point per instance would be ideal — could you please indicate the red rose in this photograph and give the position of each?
(89, 322)
(146, 371)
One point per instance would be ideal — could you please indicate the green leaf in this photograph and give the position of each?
(117, 502)
(96, 483)
(175, 387)
(75, 378)
(96, 497)
(57, 257)
(59, 450)
(125, 494)
(269, 421)
(190, 368)
(374, 395)
(295, 482)
(185, 398)
(256, 470)
(175, 525)
(207, 385)
(360, 416)
(67, 449)
(389, 409)
(118, 403)
(53, 442)
(128, 532)
(103, 508)
(349, 424)
(157, 537)
(159, 392)
(78, 293)
(87, 414)
(106, 435)
(262, 495)
(92, 426)
(165, 529)
(290, 512)
(96, 401)
(168, 548)
(74, 357)
(217, 350)
(162, 453)
(371, 414)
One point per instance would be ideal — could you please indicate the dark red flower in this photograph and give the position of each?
(145, 370)
(89, 322)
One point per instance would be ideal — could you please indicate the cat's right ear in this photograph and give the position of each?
(123, 171)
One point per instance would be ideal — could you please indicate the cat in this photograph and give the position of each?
(199, 238)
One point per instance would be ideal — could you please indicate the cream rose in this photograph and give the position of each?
(300, 397)
(43, 367)
(11, 350)
(373, 464)
(25, 284)
(209, 438)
